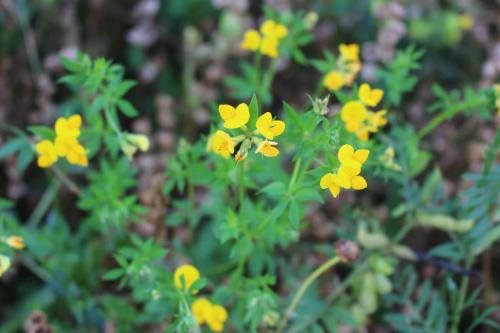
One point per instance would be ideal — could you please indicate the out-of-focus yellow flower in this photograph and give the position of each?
(465, 21)
(353, 113)
(330, 181)
(274, 30)
(269, 47)
(4, 264)
(188, 273)
(349, 52)
(234, 117)
(77, 155)
(334, 80)
(221, 144)
(251, 40)
(47, 153)
(140, 140)
(268, 127)
(213, 315)
(370, 97)
(268, 148)
(15, 242)
(69, 127)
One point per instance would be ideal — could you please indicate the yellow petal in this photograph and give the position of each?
(353, 111)
(189, 273)
(268, 149)
(201, 308)
(219, 313)
(269, 47)
(368, 96)
(234, 117)
(75, 121)
(334, 80)
(349, 52)
(227, 112)
(251, 40)
(222, 144)
(327, 180)
(359, 183)
(344, 178)
(346, 153)
(334, 190)
(361, 155)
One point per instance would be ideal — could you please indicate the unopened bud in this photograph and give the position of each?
(347, 250)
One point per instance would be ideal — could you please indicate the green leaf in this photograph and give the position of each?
(113, 274)
(127, 108)
(254, 112)
(11, 147)
(43, 132)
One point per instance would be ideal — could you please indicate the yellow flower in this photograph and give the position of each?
(376, 120)
(68, 127)
(352, 159)
(234, 117)
(370, 97)
(349, 52)
(251, 40)
(269, 127)
(268, 149)
(188, 273)
(269, 47)
(350, 178)
(334, 80)
(274, 30)
(353, 113)
(200, 308)
(77, 155)
(216, 318)
(221, 144)
(47, 153)
(15, 242)
(330, 181)
(139, 140)
(4, 264)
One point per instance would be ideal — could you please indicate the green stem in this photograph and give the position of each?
(447, 114)
(67, 181)
(241, 190)
(43, 204)
(303, 287)
(295, 173)
(187, 309)
(462, 294)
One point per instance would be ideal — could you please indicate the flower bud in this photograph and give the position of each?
(15, 242)
(128, 149)
(320, 106)
(384, 285)
(139, 140)
(4, 264)
(371, 241)
(347, 250)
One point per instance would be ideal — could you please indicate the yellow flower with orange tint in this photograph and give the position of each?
(251, 40)
(47, 153)
(185, 276)
(234, 117)
(221, 144)
(353, 114)
(268, 148)
(334, 80)
(15, 242)
(368, 96)
(268, 127)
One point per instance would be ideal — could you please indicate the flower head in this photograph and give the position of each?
(15, 242)
(274, 30)
(351, 158)
(200, 308)
(334, 80)
(221, 144)
(213, 315)
(370, 97)
(350, 178)
(330, 181)
(185, 276)
(268, 148)
(353, 113)
(4, 264)
(269, 47)
(349, 52)
(47, 153)
(251, 40)
(234, 117)
(69, 127)
(77, 155)
(268, 127)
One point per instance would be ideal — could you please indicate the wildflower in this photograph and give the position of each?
(268, 149)
(131, 142)
(368, 96)
(349, 52)
(269, 47)
(251, 40)
(4, 264)
(273, 30)
(213, 315)
(47, 153)
(268, 127)
(185, 276)
(77, 155)
(351, 158)
(353, 113)
(221, 143)
(334, 80)
(15, 242)
(330, 181)
(68, 127)
(234, 117)
(349, 178)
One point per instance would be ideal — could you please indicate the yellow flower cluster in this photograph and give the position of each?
(205, 312)
(348, 174)
(224, 145)
(65, 144)
(189, 274)
(358, 119)
(347, 68)
(266, 43)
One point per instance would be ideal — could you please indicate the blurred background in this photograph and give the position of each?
(182, 51)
